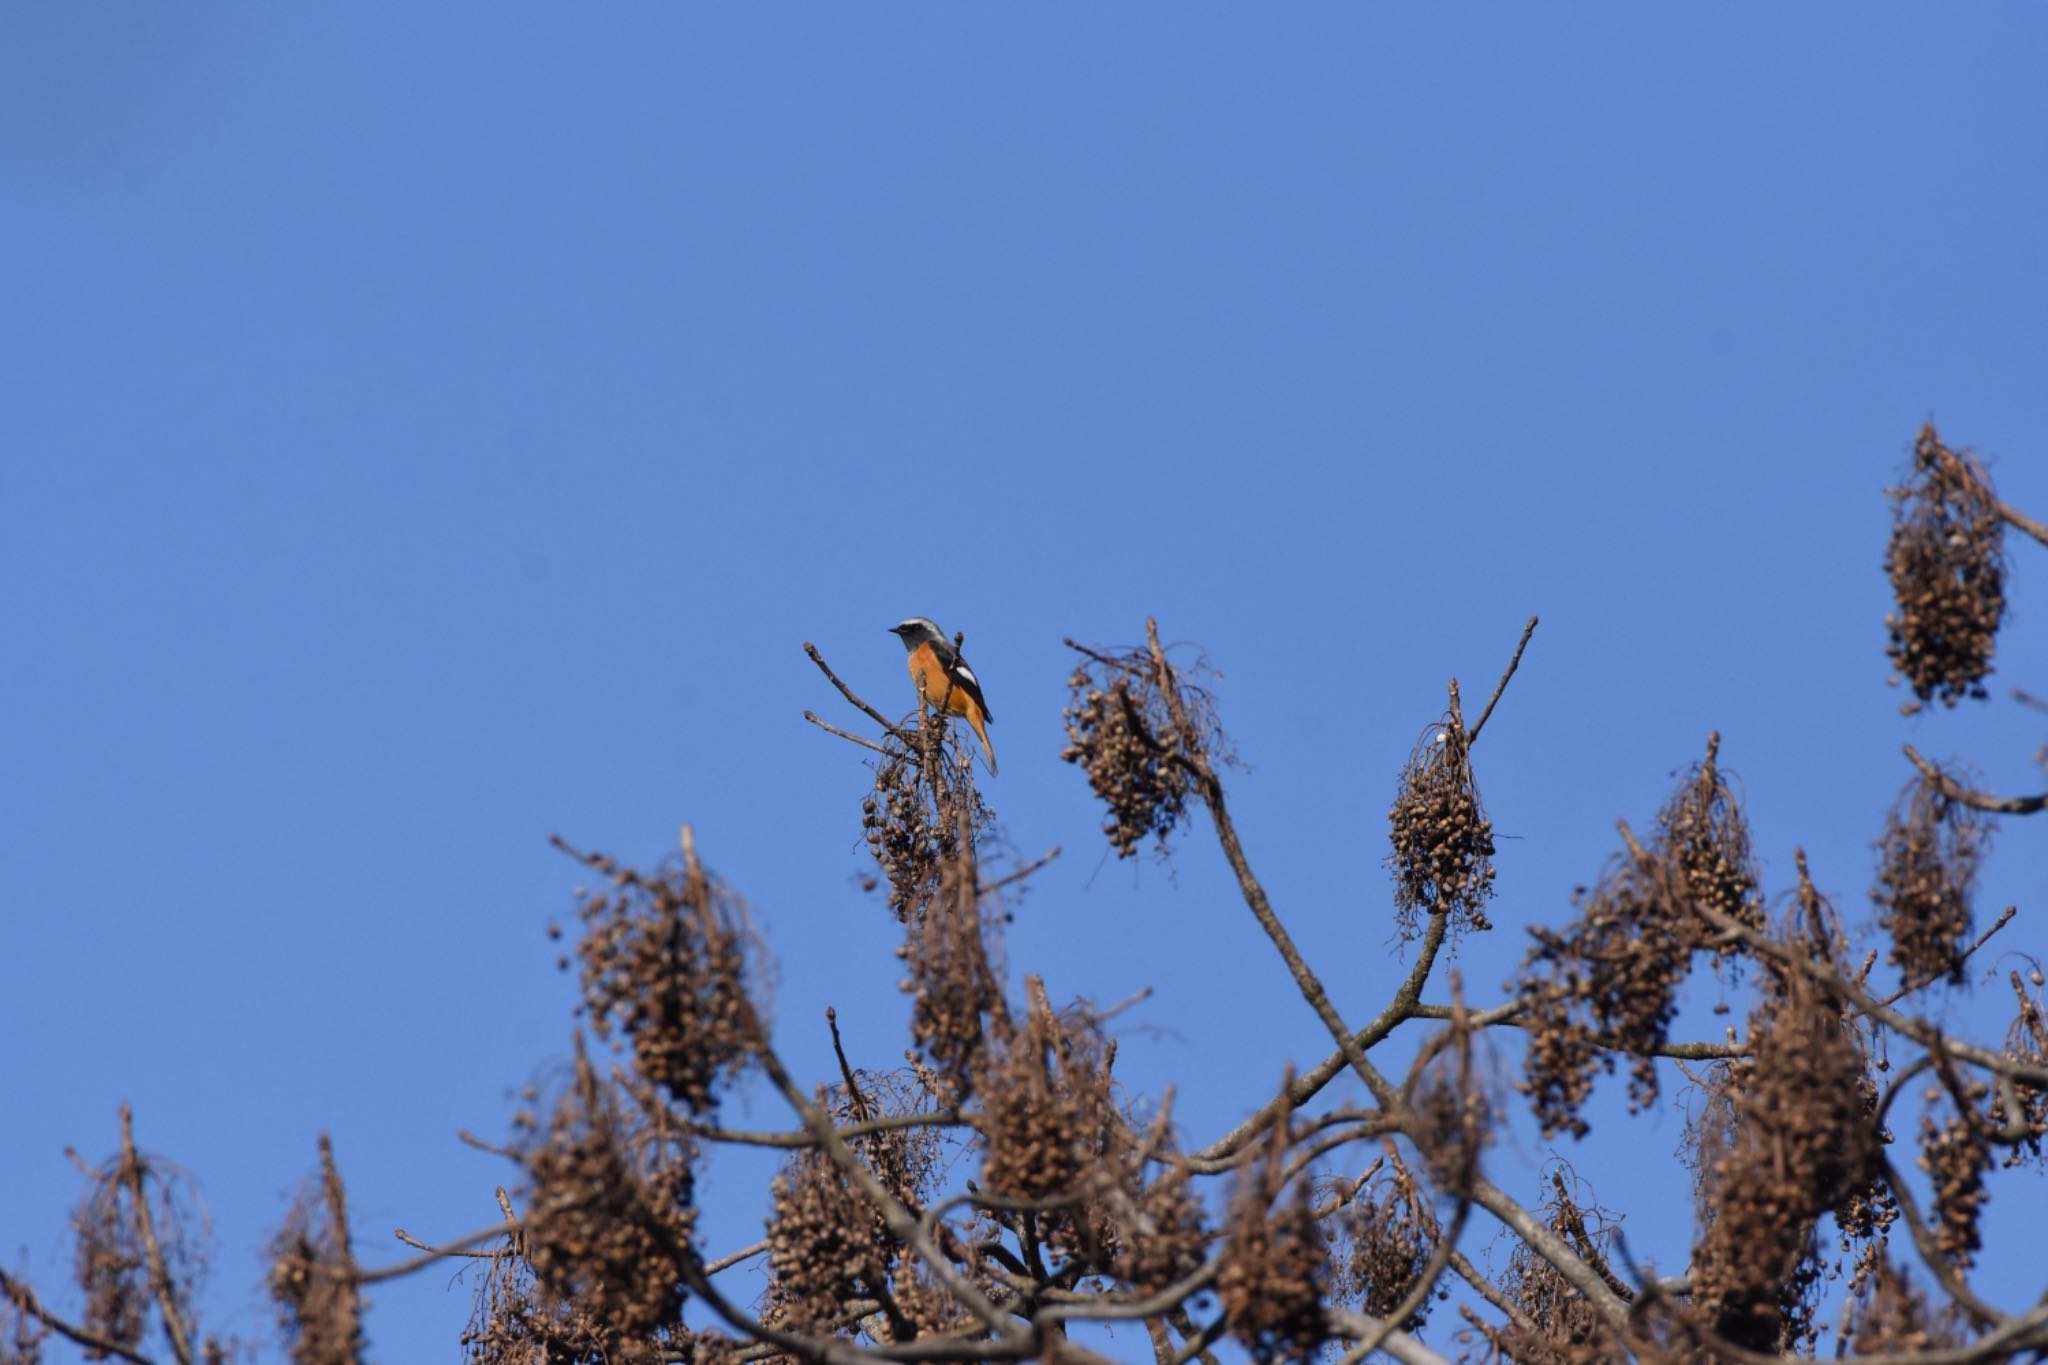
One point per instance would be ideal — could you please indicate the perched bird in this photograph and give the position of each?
(944, 680)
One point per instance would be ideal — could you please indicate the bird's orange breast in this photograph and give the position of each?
(933, 686)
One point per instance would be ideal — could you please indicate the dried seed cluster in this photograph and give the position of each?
(665, 969)
(1131, 758)
(1947, 565)
(1610, 980)
(515, 1322)
(1456, 1117)
(1955, 1157)
(1275, 1266)
(1387, 1234)
(22, 1333)
(1927, 870)
(1569, 1330)
(1159, 1230)
(1891, 1317)
(1801, 1142)
(826, 1247)
(108, 1264)
(1608, 983)
(611, 1214)
(312, 1275)
(2026, 1041)
(914, 824)
(956, 998)
(1442, 858)
(828, 1243)
(110, 1261)
(1049, 1116)
(1140, 738)
(1705, 835)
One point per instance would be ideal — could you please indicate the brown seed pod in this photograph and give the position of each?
(1891, 1316)
(826, 1246)
(1383, 1244)
(1798, 1139)
(919, 817)
(665, 969)
(1568, 1329)
(313, 1275)
(1121, 731)
(1048, 1115)
(1947, 565)
(1927, 871)
(1442, 857)
(1609, 982)
(611, 1212)
(1955, 1156)
(1275, 1268)
(1704, 834)
(2026, 1041)
(956, 995)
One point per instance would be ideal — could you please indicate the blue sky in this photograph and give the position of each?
(429, 428)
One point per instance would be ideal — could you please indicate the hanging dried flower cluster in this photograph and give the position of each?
(1947, 566)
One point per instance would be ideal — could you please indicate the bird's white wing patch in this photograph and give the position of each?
(965, 673)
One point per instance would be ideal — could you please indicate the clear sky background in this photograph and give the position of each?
(426, 428)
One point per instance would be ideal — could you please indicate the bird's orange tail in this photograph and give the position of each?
(981, 731)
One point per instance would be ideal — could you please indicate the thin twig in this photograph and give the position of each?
(2003, 919)
(159, 1271)
(876, 716)
(439, 1252)
(1021, 873)
(862, 740)
(2021, 521)
(459, 1247)
(941, 1118)
(733, 1258)
(1502, 686)
(25, 1298)
(1968, 796)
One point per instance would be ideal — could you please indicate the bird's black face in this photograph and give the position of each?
(916, 631)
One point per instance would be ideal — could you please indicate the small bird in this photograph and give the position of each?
(944, 680)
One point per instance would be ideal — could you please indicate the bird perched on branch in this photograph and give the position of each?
(944, 681)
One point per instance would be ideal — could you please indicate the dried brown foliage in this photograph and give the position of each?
(1947, 565)
(313, 1274)
(1956, 1156)
(1704, 835)
(827, 1246)
(1800, 1140)
(1275, 1271)
(1927, 869)
(1442, 859)
(665, 970)
(956, 997)
(611, 1212)
(516, 1322)
(1891, 1316)
(21, 1332)
(1450, 1103)
(1121, 731)
(2026, 1042)
(922, 817)
(1048, 1116)
(1384, 1242)
(140, 1246)
(1159, 1228)
(1608, 984)
(1568, 1330)
(1604, 987)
